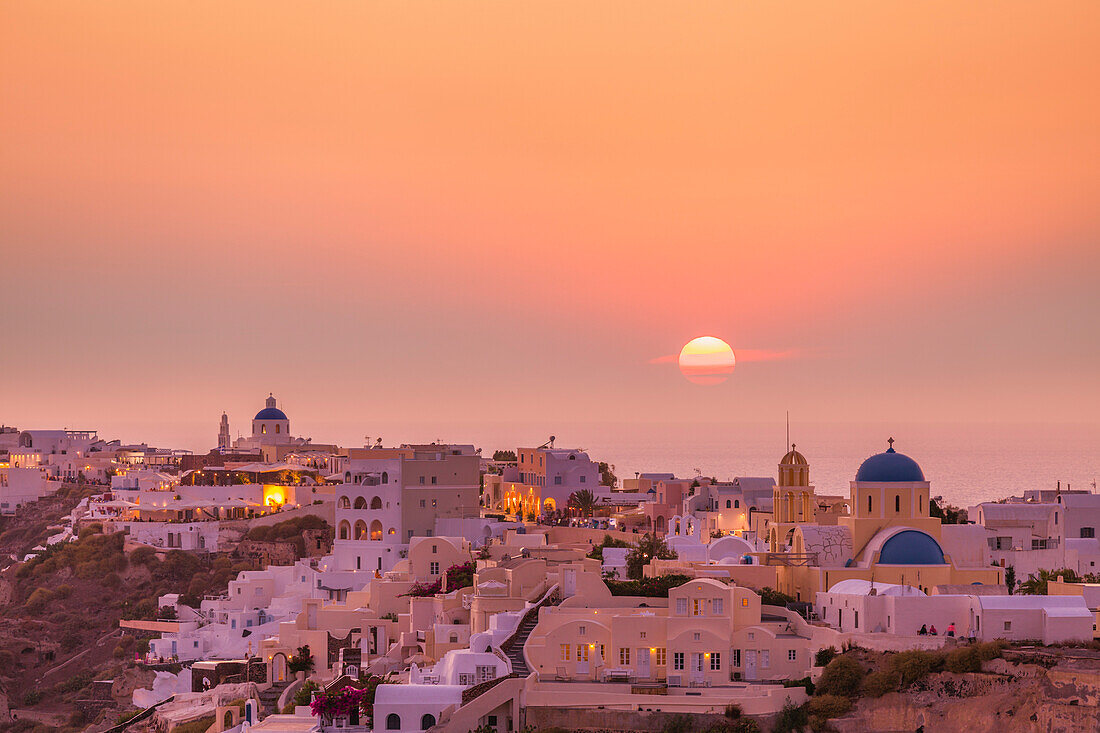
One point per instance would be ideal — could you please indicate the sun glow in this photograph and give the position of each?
(707, 360)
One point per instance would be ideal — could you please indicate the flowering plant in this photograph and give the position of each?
(341, 703)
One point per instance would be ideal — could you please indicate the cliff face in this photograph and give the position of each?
(1058, 695)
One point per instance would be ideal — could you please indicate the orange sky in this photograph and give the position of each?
(425, 210)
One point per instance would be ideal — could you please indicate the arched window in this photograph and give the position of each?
(920, 503)
(393, 721)
(736, 503)
(263, 429)
(897, 503)
(278, 428)
(385, 477)
(729, 504)
(345, 530)
(454, 638)
(427, 721)
(360, 529)
(345, 503)
(360, 503)
(868, 503)
(376, 503)
(347, 477)
(376, 530)
(391, 531)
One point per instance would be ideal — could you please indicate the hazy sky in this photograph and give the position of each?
(481, 211)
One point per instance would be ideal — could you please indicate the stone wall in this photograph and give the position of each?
(612, 721)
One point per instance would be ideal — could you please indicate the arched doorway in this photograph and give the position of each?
(278, 668)
(427, 721)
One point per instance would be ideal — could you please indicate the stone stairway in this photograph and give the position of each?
(269, 698)
(515, 649)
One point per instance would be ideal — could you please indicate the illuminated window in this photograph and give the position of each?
(744, 603)
(582, 652)
(565, 652)
(697, 606)
(659, 657)
(624, 656)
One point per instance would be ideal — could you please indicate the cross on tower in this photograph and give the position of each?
(891, 442)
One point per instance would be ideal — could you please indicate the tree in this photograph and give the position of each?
(504, 455)
(1010, 578)
(1036, 585)
(583, 502)
(302, 661)
(649, 548)
(608, 541)
(947, 514)
(607, 475)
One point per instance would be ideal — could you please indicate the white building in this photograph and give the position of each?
(20, 486)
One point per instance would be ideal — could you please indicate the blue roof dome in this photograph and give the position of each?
(271, 413)
(889, 467)
(911, 547)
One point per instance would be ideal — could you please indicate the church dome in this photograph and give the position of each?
(889, 467)
(794, 458)
(911, 547)
(271, 413)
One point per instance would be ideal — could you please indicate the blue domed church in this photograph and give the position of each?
(887, 536)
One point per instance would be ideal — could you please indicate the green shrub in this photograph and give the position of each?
(123, 717)
(772, 597)
(740, 725)
(90, 529)
(648, 587)
(32, 698)
(915, 665)
(804, 682)
(38, 600)
(791, 719)
(824, 656)
(825, 707)
(991, 649)
(195, 726)
(963, 659)
(880, 682)
(678, 724)
(143, 556)
(842, 676)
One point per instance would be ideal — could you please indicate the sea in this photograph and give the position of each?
(965, 463)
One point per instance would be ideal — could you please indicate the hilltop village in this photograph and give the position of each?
(299, 587)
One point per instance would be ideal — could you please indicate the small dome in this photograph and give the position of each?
(271, 413)
(793, 458)
(911, 547)
(889, 467)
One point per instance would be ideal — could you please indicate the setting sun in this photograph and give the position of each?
(707, 360)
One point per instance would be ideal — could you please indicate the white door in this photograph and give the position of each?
(643, 663)
(569, 582)
(750, 664)
(582, 659)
